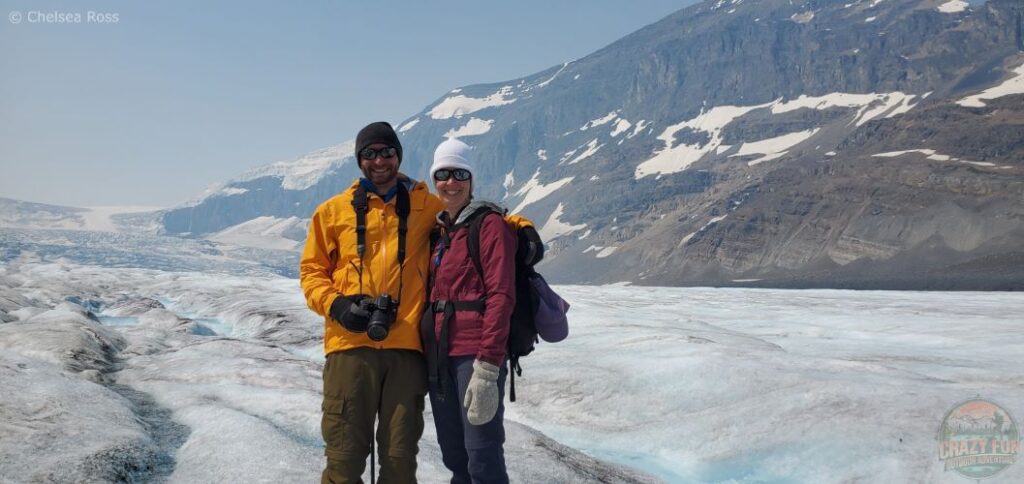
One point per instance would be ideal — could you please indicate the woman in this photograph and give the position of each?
(465, 331)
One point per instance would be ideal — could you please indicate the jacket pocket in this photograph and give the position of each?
(346, 277)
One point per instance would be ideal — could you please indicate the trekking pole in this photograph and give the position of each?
(373, 448)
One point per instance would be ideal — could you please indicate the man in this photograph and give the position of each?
(364, 269)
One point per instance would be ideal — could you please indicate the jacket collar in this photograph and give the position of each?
(468, 212)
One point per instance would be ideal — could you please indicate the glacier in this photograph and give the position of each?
(121, 374)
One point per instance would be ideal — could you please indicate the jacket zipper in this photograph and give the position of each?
(383, 286)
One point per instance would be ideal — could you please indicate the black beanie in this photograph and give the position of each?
(379, 132)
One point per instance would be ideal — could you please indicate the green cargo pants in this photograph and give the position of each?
(359, 385)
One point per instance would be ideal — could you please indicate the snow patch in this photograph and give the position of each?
(228, 191)
(407, 126)
(872, 105)
(640, 125)
(533, 190)
(545, 83)
(711, 222)
(592, 148)
(601, 252)
(934, 156)
(773, 148)
(953, 6)
(457, 106)
(600, 121)
(510, 181)
(542, 154)
(803, 17)
(620, 127)
(1013, 85)
(555, 228)
(676, 159)
(474, 127)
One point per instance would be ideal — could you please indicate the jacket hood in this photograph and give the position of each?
(469, 210)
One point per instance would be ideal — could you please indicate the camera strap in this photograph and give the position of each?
(403, 206)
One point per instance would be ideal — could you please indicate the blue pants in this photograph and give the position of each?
(474, 453)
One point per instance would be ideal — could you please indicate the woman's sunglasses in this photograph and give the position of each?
(371, 154)
(460, 174)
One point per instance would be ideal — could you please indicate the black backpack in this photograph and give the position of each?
(532, 293)
(539, 311)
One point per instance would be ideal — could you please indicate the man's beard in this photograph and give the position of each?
(381, 179)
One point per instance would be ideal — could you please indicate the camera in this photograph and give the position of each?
(381, 317)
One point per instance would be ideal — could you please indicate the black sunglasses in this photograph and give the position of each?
(371, 154)
(460, 174)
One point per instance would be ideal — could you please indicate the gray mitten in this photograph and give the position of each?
(482, 393)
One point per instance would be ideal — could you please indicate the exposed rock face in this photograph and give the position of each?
(739, 140)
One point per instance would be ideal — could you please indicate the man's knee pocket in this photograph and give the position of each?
(339, 429)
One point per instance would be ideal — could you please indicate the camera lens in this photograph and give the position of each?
(377, 331)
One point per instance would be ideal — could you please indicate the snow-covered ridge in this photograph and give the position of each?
(304, 172)
(298, 174)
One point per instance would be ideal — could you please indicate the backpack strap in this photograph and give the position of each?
(473, 241)
(435, 349)
(513, 370)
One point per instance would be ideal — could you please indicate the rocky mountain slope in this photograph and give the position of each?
(840, 143)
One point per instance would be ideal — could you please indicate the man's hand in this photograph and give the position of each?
(352, 312)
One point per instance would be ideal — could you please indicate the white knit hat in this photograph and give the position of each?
(452, 153)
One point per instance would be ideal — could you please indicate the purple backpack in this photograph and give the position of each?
(550, 315)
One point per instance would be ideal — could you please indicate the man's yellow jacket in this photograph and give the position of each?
(330, 265)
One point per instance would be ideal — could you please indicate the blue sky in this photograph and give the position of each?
(176, 96)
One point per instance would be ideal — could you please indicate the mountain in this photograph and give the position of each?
(834, 143)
